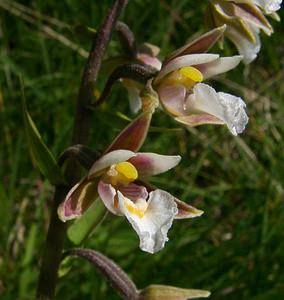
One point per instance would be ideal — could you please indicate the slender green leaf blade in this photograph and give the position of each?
(40, 153)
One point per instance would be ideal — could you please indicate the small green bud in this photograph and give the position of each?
(165, 292)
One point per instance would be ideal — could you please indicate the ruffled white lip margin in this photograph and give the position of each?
(228, 108)
(158, 216)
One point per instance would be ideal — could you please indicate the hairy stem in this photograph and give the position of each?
(57, 230)
(127, 39)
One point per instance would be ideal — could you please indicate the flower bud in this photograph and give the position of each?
(165, 292)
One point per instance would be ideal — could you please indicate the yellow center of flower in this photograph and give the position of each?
(138, 208)
(127, 170)
(187, 76)
(122, 173)
(191, 73)
(135, 210)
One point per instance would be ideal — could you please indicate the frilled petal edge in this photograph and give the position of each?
(152, 227)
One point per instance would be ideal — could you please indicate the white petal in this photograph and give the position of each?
(234, 112)
(107, 194)
(228, 108)
(135, 102)
(185, 61)
(219, 66)
(153, 227)
(246, 48)
(109, 159)
(149, 164)
(269, 6)
(133, 89)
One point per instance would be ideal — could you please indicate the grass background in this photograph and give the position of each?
(235, 249)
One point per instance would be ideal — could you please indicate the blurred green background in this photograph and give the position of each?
(236, 249)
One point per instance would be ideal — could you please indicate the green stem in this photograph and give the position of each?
(51, 255)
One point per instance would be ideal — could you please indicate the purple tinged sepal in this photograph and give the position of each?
(133, 136)
(78, 200)
(186, 211)
(201, 44)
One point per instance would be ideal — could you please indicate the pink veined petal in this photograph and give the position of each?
(79, 198)
(185, 61)
(219, 66)
(199, 45)
(172, 98)
(149, 164)
(199, 119)
(108, 195)
(109, 159)
(134, 191)
(150, 60)
(133, 136)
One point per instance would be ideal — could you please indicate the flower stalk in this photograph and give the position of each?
(51, 256)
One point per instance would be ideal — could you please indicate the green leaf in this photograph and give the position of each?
(84, 226)
(40, 154)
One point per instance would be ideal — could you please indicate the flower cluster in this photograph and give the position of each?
(179, 88)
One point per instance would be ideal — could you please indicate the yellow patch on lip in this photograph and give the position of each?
(134, 210)
(127, 170)
(191, 73)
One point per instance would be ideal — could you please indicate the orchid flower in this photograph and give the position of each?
(118, 179)
(118, 176)
(147, 55)
(191, 102)
(244, 20)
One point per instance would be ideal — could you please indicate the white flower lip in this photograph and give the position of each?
(154, 222)
(228, 108)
